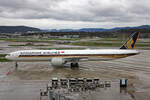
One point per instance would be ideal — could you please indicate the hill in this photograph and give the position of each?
(14, 29)
(99, 29)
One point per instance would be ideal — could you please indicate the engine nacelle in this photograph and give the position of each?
(58, 62)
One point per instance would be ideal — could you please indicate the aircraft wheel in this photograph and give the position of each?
(74, 65)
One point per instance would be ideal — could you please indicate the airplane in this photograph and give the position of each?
(61, 57)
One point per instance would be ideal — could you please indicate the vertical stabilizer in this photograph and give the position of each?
(130, 44)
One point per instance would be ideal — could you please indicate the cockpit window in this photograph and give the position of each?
(8, 55)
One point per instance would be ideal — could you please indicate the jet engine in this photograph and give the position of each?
(58, 62)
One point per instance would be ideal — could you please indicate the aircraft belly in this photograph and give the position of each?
(100, 58)
(33, 59)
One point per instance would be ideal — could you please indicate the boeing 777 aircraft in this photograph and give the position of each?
(61, 57)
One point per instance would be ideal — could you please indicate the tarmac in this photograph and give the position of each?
(25, 84)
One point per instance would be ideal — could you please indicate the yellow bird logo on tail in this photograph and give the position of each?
(130, 44)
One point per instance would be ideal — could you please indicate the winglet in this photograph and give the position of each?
(130, 44)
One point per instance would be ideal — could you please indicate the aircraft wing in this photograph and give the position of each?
(75, 59)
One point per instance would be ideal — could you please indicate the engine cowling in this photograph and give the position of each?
(58, 62)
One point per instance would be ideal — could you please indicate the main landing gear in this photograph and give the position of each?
(74, 65)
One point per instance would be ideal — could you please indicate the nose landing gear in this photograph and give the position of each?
(16, 66)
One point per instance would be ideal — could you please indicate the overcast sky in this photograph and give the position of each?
(74, 13)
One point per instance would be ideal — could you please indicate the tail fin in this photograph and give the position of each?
(130, 44)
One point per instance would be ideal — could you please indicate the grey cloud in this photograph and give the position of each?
(73, 10)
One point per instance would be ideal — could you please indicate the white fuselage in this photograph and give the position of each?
(47, 55)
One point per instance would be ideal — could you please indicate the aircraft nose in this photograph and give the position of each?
(7, 57)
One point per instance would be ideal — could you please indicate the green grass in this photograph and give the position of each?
(95, 44)
(105, 44)
(109, 39)
(67, 39)
(144, 42)
(3, 59)
(23, 40)
(144, 48)
(142, 45)
(13, 39)
(28, 45)
(119, 40)
(37, 40)
(3, 55)
(60, 48)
